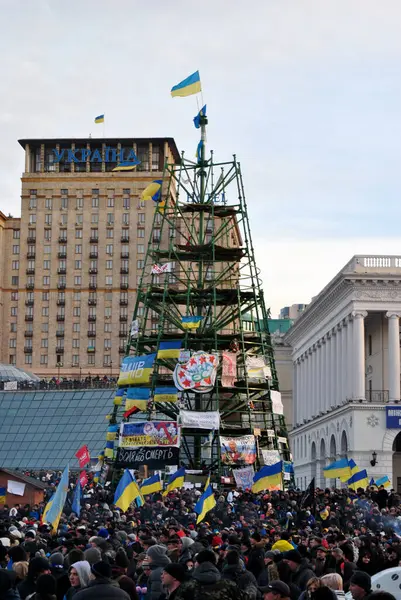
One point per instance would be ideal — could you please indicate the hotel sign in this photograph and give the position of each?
(393, 417)
(80, 155)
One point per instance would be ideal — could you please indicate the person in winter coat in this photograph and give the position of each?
(334, 582)
(234, 570)
(80, 576)
(46, 586)
(158, 559)
(102, 588)
(60, 574)
(270, 572)
(300, 572)
(256, 555)
(207, 583)
(7, 586)
(119, 574)
(37, 566)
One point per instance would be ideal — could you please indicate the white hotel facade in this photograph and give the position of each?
(346, 373)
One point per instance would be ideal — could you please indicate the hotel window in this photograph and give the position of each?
(126, 203)
(107, 312)
(109, 265)
(76, 311)
(48, 219)
(78, 264)
(45, 311)
(78, 233)
(107, 327)
(141, 217)
(64, 192)
(156, 235)
(14, 296)
(77, 280)
(110, 202)
(109, 233)
(64, 203)
(28, 359)
(172, 232)
(107, 344)
(125, 218)
(76, 327)
(91, 359)
(79, 203)
(15, 249)
(158, 219)
(48, 235)
(43, 359)
(33, 192)
(141, 311)
(13, 327)
(48, 203)
(32, 219)
(75, 343)
(46, 280)
(31, 264)
(48, 249)
(143, 156)
(14, 280)
(140, 264)
(109, 280)
(16, 234)
(110, 219)
(95, 219)
(108, 296)
(141, 233)
(13, 343)
(109, 249)
(75, 360)
(93, 264)
(46, 265)
(45, 327)
(14, 311)
(32, 203)
(64, 219)
(155, 158)
(44, 343)
(78, 249)
(77, 296)
(15, 265)
(45, 296)
(94, 233)
(79, 219)
(126, 191)
(140, 249)
(95, 201)
(32, 233)
(141, 203)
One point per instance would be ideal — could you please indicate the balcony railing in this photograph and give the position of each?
(61, 254)
(92, 302)
(377, 396)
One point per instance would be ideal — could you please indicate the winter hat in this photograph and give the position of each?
(278, 587)
(45, 585)
(74, 556)
(56, 559)
(270, 554)
(362, 580)
(83, 569)
(155, 552)
(282, 546)
(17, 554)
(121, 558)
(176, 570)
(293, 556)
(103, 533)
(102, 569)
(30, 534)
(93, 555)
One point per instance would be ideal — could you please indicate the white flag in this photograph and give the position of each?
(166, 268)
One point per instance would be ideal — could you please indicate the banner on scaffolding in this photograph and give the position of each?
(244, 478)
(153, 458)
(148, 434)
(200, 420)
(238, 450)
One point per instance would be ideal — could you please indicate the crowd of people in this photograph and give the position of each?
(64, 383)
(271, 546)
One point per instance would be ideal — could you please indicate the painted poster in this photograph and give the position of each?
(270, 457)
(198, 374)
(238, 450)
(244, 478)
(277, 404)
(149, 433)
(229, 369)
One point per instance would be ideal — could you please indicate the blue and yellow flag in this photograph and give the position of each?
(385, 481)
(270, 477)
(137, 398)
(99, 119)
(76, 502)
(47, 508)
(197, 119)
(151, 485)
(153, 191)
(358, 480)
(339, 468)
(127, 165)
(205, 503)
(176, 481)
(118, 398)
(191, 322)
(127, 491)
(169, 349)
(165, 394)
(324, 514)
(56, 509)
(136, 369)
(187, 87)
(3, 492)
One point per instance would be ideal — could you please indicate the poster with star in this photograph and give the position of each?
(198, 374)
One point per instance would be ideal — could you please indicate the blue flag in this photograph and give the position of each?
(197, 119)
(76, 503)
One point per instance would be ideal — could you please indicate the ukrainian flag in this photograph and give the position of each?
(385, 481)
(191, 322)
(170, 349)
(3, 492)
(269, 477)
(151, 485)
(205, 503)
(111, 432)
(207, 483)
(137, 398)
(118, 398)
(339, 468)
(127, 165)
(126, 492)
(324, 514)
(166, 394)
(136, 369)
(99, 119)
(152, 191)
(176, 481)
(197, 119)
(47, 508)
(358, 480)
(190, 85)
(57, 504)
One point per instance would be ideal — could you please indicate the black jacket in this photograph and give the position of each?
(102, 589)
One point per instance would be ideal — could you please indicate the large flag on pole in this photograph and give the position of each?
(339, 468)
(268, 478)
(126, 492)
(187, 87)
(76, 502)
(57, 503)
(176, 481)
(308, 498)
(205, 503)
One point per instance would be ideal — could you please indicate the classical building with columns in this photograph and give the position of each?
(346, 373)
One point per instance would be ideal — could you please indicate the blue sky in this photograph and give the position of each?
(307, 93)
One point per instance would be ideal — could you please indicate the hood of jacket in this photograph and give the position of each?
(83, 569)
(206, 573)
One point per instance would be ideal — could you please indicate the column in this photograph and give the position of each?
(318, 375)
(329, 370)
(308, 406)
(295, 374)
(301, 396)
(314, 382)
(393, 355)
(27, 158)
(350, 359)
(334, 357)
(344, 337)
(323, 378)
(339, 393)
(359, 353)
